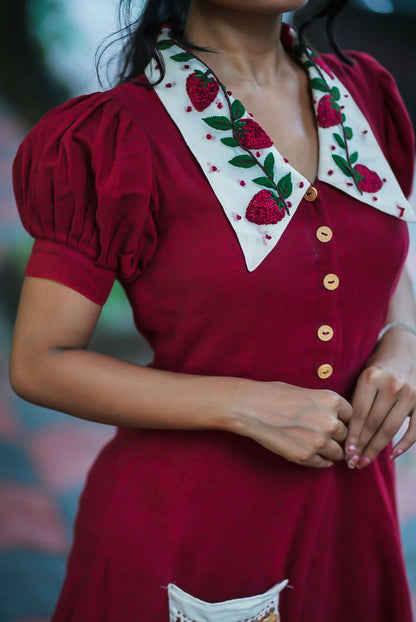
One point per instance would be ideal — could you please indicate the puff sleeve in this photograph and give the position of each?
(83, 186)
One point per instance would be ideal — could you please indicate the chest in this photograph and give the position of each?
(289, 119)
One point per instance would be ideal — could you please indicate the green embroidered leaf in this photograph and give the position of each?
(335, 93)
(297, 50)
(164, 44)
(338, 139)
(230, 141)
(343, 117)
(354, 157)
(319, 85)
(240, 124)
(269, 164)
(264, 181)
(243, 161)
(237, 109)
(308, 64)
(348, 133)
(285, 186)
(342, 164)
(218, 123)
(182, 56)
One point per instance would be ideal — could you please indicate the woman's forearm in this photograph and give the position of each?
(101, 388)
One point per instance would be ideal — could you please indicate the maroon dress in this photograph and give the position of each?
(108, 188)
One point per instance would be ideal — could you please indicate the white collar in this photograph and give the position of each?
(257, 187)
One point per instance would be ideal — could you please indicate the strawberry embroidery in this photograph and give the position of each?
(253, 136)
(328, 113)
(265, 208)
(202, 89)
(368, 180)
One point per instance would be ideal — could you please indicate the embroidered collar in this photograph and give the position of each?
(257, 187)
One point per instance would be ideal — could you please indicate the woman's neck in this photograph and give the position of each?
(247, 44)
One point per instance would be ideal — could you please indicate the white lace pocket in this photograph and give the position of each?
(260, 608)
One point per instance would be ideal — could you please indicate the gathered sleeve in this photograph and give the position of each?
(83, 186)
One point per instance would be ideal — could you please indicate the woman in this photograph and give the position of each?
(255, 450)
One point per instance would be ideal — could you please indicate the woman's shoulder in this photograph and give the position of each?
(99, 111)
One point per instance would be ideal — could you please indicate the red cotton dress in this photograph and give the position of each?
(110, 189)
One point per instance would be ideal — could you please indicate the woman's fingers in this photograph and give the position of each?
(362, 401)
(341, 433)
(378, 414)
(408, 439)
(388, 429)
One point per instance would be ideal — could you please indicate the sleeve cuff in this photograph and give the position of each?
(52, 260)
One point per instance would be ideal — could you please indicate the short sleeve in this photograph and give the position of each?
(83, 186)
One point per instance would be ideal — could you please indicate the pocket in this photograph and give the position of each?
(260, 608)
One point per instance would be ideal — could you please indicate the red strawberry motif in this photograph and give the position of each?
(264, 209)
(252, 136)
(367, 180)
(202, 89)
(328, 113)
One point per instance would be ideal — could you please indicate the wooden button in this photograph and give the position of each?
(324, 371)
(311, 194)
(325, 332)
(324, 234)
(331, 281)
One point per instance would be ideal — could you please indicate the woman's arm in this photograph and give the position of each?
(385, 394)
(51, 366)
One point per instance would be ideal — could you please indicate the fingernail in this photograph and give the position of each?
(363, 462)
(352, 463)
(396, 453)
(350, 451)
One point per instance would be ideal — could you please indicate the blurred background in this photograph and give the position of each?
(47, 50)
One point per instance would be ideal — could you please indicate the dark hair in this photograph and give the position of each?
(139, 36)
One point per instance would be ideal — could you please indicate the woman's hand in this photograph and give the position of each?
(385, 395)
(305, 426)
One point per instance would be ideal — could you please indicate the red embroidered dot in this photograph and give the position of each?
(214, 168)
(349, 183)
(251, 114)
(242, 182)
(168, 85)
(189, 109)
(209, 136)
(301, 184)
(375, 199)
(268, 237)
(288, 203)
(258, 154)
(286, 160)
(186, 67)
(229, 93)
(238, 217)
(365, 132)
(333, 147)
(346, 95)
(157, 67)
(219, 105)
(384, 179)
(331, 172)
